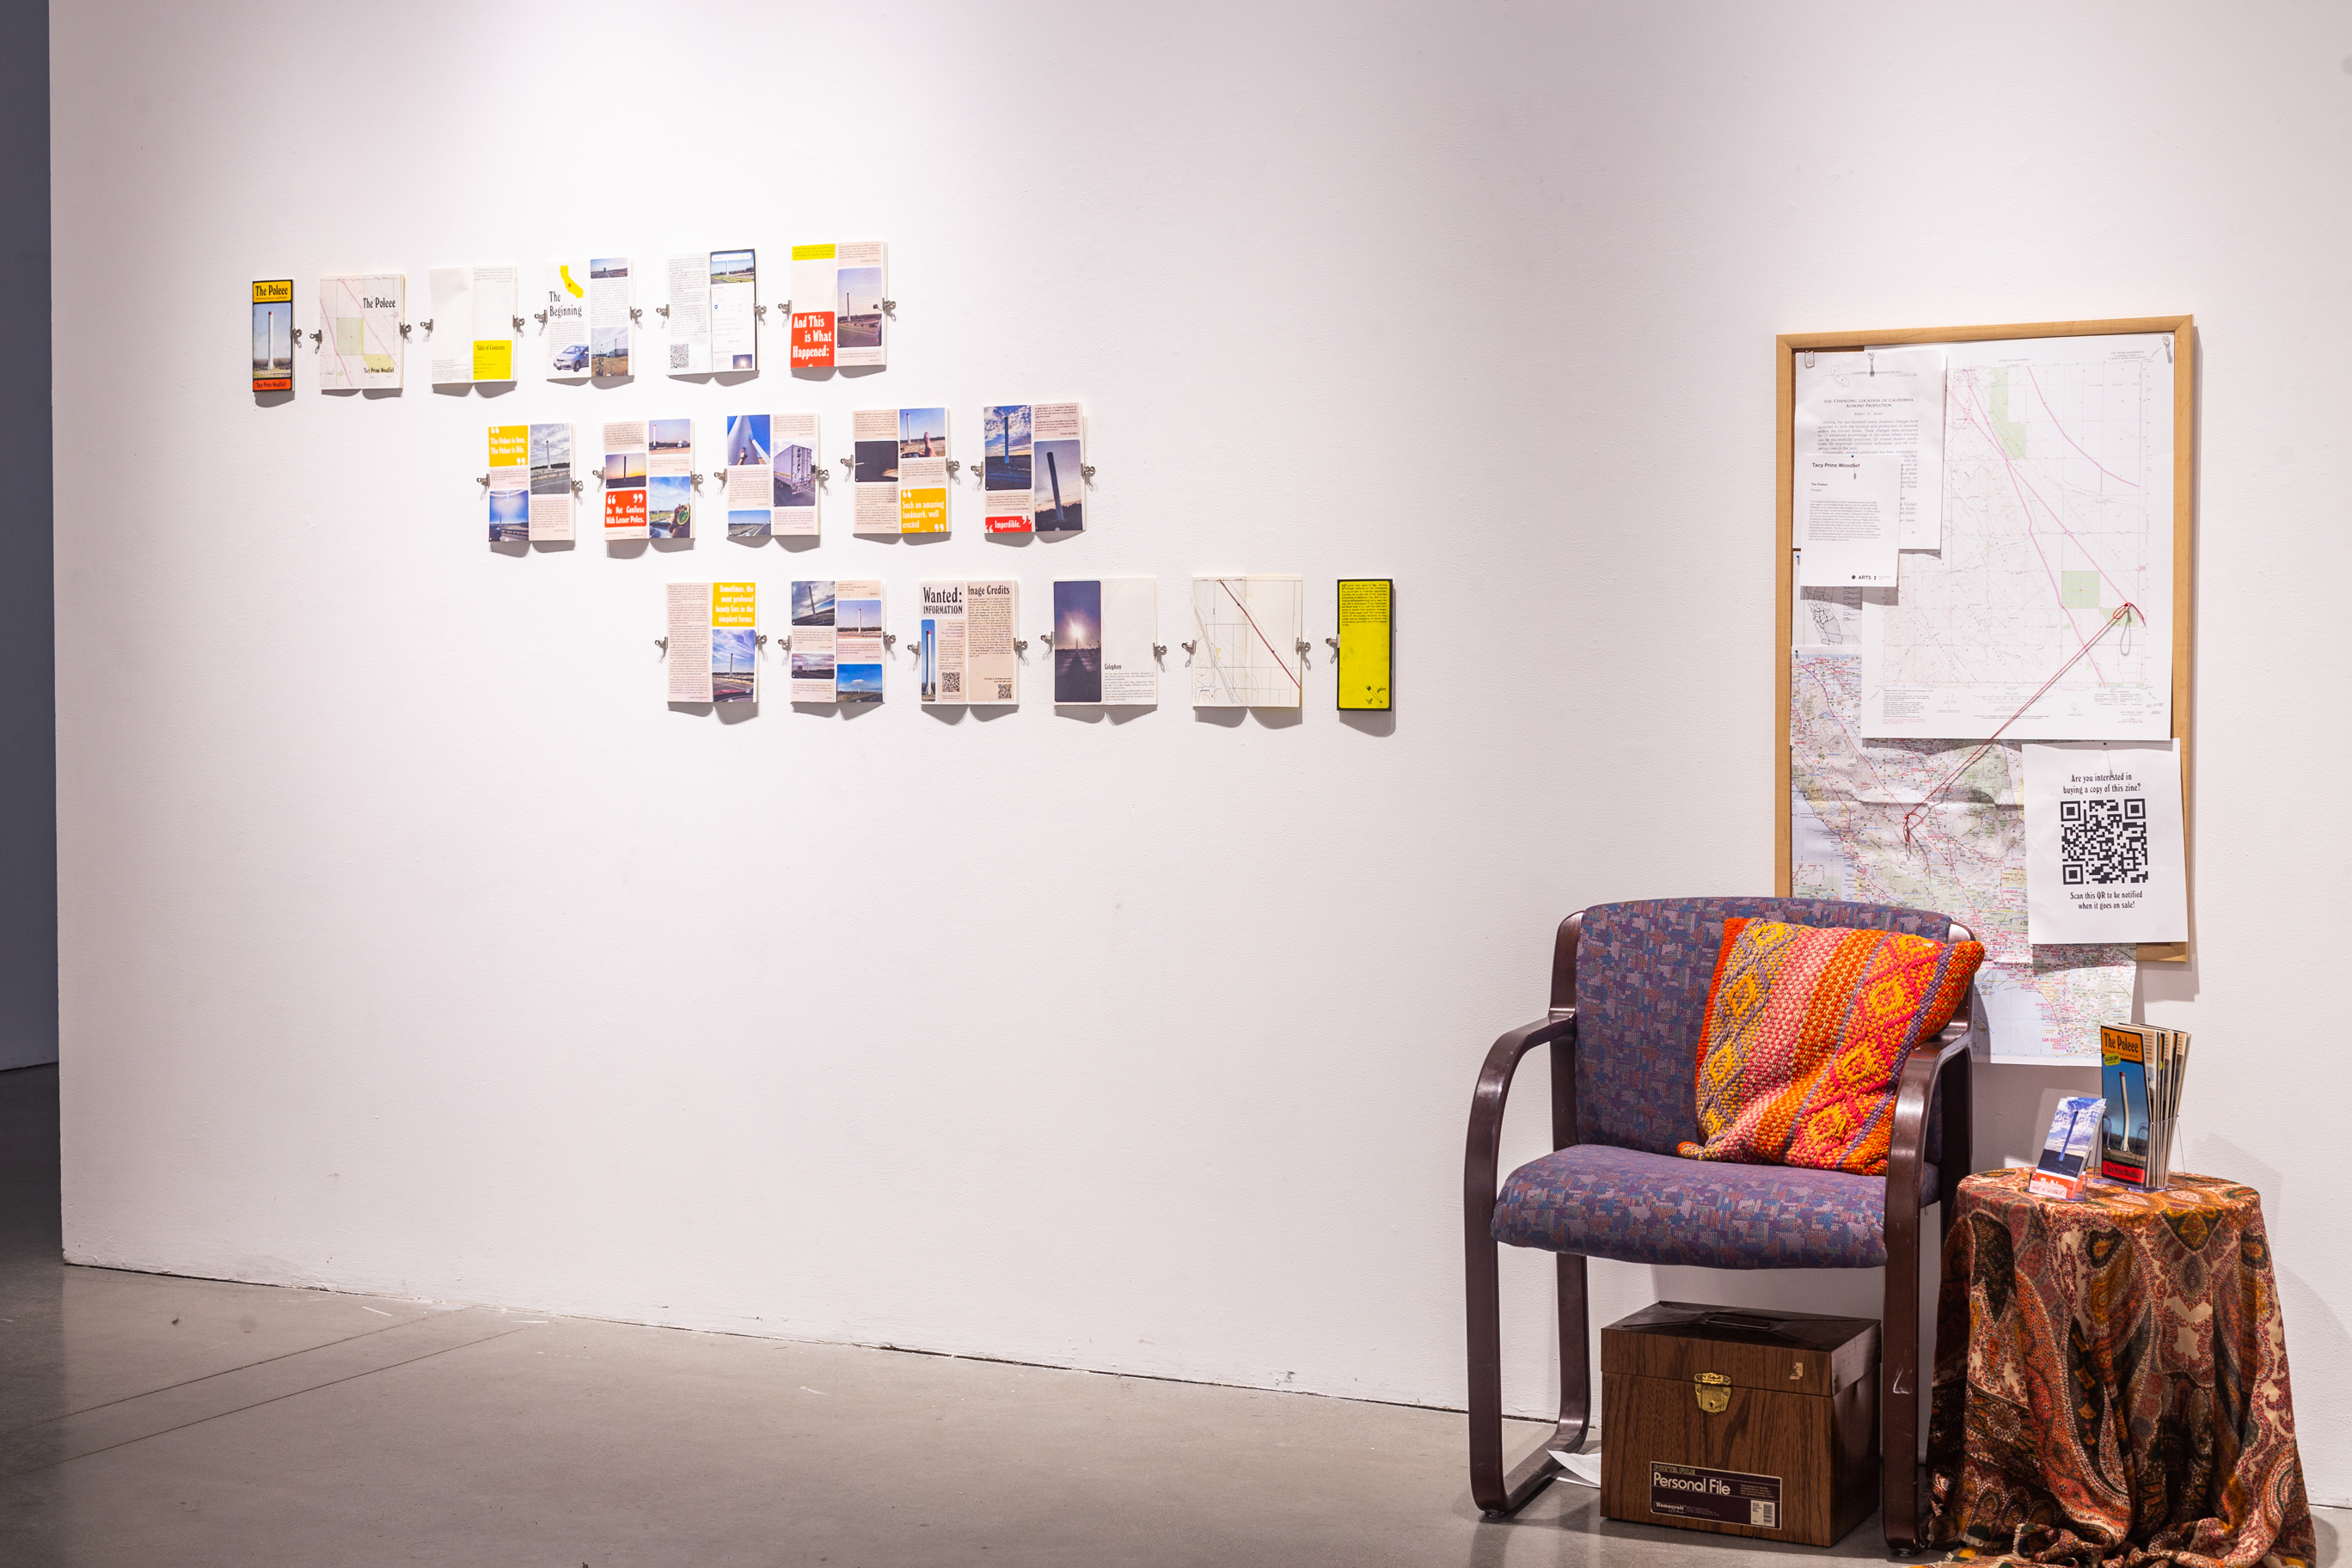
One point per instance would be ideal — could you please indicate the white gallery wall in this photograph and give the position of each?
(410, 944)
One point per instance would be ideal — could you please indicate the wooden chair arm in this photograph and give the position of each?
(1487, 1103)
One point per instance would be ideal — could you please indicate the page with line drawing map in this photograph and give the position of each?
(1246, 631)
(1966, 856)
(2057, 511)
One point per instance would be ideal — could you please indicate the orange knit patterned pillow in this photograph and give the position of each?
(1807, 1030)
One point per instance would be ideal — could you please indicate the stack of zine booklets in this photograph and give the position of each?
(2140, 1067)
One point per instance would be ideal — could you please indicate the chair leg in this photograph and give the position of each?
(1898, 1390)
(1497, 1495)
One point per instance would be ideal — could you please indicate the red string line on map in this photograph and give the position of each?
(2128, 608)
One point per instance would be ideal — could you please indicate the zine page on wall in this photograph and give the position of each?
(530, 482)
(874, 475)
(860, 285)
(922, 470)
(940, 646)
(734, 642)
(686, 651)
(564, 330)
(1367, 626)
(625, 480)
(612, 319)
(1057, 464)
(2104, 856)
(966, 654)
(2057, 514)
(688, 314)
(1105, 629)
(734, 318)
(550, 482)
(795, 460)
(1248, 629)
(273, 335)
(857, 641)
(510, 469)
(812, 276)
(812, 641)
(1004, 463)
(1848, 519)
(751, 484)
(473, 324)
(359, 330)
(669, 478)
(1880, 403)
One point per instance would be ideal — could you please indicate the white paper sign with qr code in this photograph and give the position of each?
(2104, 860)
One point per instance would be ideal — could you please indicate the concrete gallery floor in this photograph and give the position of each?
(150, 1419)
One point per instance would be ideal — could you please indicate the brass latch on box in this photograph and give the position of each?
(1712, 1392)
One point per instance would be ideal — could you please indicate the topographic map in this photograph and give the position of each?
(2057, 512)
(1966, 856)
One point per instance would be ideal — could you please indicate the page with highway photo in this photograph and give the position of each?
(923, 470)
(860, 284)
(625, 480)
(939, 650)
(750, 490)
(857, 641)
(794, 466)
(734, 642)
(734, 323)
(812, 636)
(874, 478)
(550, 482)
(509, 473)
(669, 478)
(612, 329)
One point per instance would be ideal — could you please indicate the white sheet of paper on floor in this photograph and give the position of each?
(1582, 1468)
(2104, 859)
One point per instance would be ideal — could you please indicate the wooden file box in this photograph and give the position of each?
(1762, 1424)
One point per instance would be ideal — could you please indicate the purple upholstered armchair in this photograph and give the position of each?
(1629, 986)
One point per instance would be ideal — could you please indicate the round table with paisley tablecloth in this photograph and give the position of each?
(2111, 1381)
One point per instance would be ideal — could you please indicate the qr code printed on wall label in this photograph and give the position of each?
(2103, 841)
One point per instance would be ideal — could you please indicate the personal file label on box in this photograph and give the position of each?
(1726, 1497)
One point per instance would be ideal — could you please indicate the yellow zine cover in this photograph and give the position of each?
(734, 642)
(273, 335)
(1365, 641)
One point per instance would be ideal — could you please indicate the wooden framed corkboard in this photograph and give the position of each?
(1789, 345)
